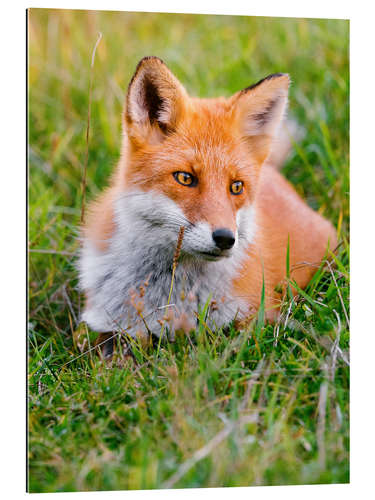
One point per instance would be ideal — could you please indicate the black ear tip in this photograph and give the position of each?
(144, 61)
(276, 75)
(149, 59)
(267, 78)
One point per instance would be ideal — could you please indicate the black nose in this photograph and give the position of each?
(224, 238)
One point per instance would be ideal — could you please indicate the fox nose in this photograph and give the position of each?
(224, 238)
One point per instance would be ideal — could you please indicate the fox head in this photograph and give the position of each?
(196, 162)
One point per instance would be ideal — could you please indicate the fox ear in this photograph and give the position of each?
(155, 101)
(260, 109)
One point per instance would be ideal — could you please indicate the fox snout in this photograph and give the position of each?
(223, 238)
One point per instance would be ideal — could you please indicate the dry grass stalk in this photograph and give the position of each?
(174, 267)
(338, 293)
(207, 449)
(321, 427)
(178, 248)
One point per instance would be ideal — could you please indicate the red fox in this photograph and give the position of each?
(200, 164)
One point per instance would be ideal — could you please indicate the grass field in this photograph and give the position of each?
(266, 406)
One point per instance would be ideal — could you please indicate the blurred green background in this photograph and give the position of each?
(93, 428)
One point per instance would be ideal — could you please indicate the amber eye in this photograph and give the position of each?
(185, 179)
(236, 187)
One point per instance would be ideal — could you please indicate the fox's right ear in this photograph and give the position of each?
(260, 109)
(155, 102)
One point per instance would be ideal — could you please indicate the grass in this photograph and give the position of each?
(265, 406)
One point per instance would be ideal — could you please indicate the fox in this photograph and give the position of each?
(204, 165)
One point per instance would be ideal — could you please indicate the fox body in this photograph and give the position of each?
(200, 164)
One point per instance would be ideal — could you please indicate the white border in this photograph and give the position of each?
(362, 214)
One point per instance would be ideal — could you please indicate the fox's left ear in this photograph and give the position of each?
(155, 102)
(259, 110)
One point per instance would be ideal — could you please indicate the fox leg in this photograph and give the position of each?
(105, 345)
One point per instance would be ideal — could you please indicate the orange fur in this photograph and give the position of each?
(100, 223)
(308, 233)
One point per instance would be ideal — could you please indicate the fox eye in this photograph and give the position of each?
(185, 179)
(236, 187)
